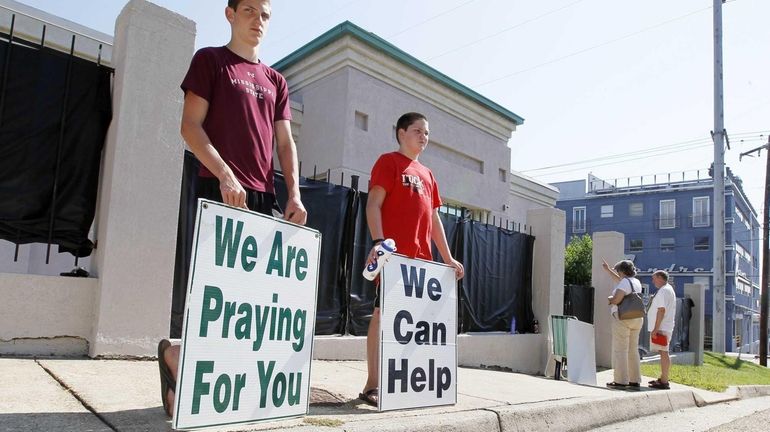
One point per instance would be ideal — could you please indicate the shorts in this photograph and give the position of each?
(376, 291)
(260, 202)
(655, 347)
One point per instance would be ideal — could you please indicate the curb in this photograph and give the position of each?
(565, 416)
(750, 391)
(479, 420)
(592, 414)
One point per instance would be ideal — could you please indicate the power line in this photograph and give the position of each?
(315, 19)
(505, 30)
(744, 137)
(440, 14)
(558, 59)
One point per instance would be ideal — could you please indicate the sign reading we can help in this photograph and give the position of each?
(418, 334)
(249, 320)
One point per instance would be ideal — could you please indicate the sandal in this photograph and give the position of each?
(615, 385)
(660, 385)
(370, 396)
(167, 381)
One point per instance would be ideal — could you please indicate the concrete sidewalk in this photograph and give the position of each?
(123, 395)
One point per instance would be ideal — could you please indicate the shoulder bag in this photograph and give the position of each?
(631, 306)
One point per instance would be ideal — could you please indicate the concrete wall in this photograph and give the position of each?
(45, 315)
(502, 350)
(608, 246)
(138, 213)
(324, 110)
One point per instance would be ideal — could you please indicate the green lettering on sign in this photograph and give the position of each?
(225, 243)
(200, 388)
(275, 263)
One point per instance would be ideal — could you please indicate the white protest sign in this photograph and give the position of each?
(581, 353)
(418, 334)
(249, 320)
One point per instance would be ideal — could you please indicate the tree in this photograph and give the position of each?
(577, 261)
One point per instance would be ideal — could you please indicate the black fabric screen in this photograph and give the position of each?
(680, 340)
(34, 141)
(498, 279)
(329, 210)
(184, 240)
(361, 293)
(579, 302)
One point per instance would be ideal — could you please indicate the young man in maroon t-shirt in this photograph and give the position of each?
(234, 108)
(403, 205)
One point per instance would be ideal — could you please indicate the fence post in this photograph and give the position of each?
(142, 157)
(607, 245)
(548, 225)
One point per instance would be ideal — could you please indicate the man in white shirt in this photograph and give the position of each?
(660, 323)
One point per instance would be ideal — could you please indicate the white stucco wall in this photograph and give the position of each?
(322, 137)
(548, 226)
(45, 315)
(609, 246)
(138, 214)
(329, 138)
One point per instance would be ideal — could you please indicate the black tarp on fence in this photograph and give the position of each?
(54, 113)
(498, 263)
(579, 302)
(498, 278)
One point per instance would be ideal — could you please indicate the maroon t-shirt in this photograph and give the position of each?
(245, 99)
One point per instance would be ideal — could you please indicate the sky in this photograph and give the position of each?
(616, 88)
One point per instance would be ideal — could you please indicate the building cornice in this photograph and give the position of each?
(533, 190)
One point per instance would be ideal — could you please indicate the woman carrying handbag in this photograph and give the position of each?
(627, 319)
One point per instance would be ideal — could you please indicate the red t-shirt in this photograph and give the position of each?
(407, 211)
(245, 99)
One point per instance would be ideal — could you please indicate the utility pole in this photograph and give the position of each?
(718, 278)
(765, 295)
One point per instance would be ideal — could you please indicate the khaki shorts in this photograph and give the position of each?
(656, 347)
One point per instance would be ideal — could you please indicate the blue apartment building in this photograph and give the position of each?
(667, 220)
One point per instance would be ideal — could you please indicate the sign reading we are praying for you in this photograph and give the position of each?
(249, 319)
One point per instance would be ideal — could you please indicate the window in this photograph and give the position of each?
(635, 246)
(578, 219)
(742, 217)
(701, 243)
(700, 211)
(742, 252)
(503, 175)
(667, 244)
(743, 288)
(667, 214)
(636, 209)
(607, 211)
(362, 121)
(451, 210)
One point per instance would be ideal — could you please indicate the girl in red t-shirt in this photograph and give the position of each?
(403, 205)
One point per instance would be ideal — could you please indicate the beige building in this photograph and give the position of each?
(348, 87)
